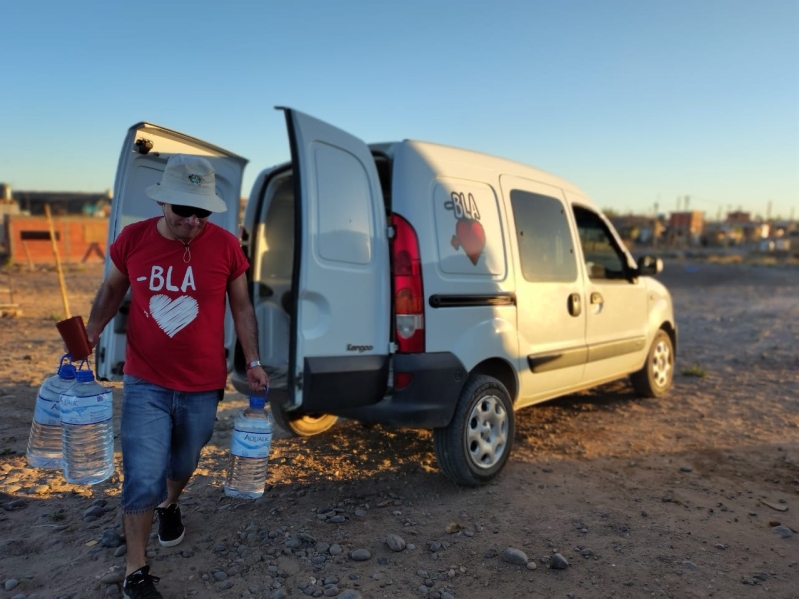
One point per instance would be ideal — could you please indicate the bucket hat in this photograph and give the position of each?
(188, 181)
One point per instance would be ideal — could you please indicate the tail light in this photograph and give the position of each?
(408, 292)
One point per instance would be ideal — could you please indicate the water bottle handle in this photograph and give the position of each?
(82, 362)
(67, 357)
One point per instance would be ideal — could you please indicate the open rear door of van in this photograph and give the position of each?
(339, 354)
(144, 154)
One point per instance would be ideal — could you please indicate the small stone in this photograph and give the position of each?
(335, 549)
(38, 490)
(350, 594)
(121, 550)
(11, 583)
(688, 565)
(558, 562)
(686, 469)
(94, 511)
(395, 542)
(224, 585)
(514, 556)
(111, 539)
(360, 555)
(452, 527)
(531, 565)
(219, 575)
(783, 531)
(113, 577)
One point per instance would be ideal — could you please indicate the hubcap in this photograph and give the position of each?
(487, 433)
(661, 364)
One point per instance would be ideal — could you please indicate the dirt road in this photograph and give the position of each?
(694, 495)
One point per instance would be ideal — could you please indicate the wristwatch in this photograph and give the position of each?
(253, 364)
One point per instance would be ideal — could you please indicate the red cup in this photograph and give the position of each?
(73, 332)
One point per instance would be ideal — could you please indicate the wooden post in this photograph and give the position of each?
(28, 255)
(57, 262)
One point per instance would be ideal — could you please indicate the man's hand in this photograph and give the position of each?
(257, 379)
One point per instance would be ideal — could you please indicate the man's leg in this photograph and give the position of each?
(193, 420)
(146, 430)
(137, 533)
(174, 489)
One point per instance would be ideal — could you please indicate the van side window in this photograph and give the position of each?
(603, 257)
(546, 248)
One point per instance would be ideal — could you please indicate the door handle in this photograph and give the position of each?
(596, 298)
(575, 305)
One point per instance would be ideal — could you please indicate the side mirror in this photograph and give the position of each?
(649, 266)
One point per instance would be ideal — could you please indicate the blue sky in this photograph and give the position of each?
(637, 102)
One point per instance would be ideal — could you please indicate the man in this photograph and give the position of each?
(180, 269)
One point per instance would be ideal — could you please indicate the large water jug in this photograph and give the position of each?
(86, 430)
(249, 451)
(44, 442)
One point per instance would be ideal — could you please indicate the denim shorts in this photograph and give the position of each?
(163, 432)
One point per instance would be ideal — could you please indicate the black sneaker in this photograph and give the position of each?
(170, 526)
(141, 585)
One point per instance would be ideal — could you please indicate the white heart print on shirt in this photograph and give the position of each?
(173, 315)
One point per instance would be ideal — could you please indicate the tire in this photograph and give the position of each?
(474, 446)
(657, 375)
(305, 425)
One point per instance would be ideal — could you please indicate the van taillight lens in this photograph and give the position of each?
(408, 293)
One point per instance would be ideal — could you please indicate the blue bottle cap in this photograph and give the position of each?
(257, 402)
(84, 376)
(66, 372)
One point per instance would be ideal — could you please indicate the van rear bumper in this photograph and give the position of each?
(428, 401)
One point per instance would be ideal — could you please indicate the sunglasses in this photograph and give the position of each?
(187, 211)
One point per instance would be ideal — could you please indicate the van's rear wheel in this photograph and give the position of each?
(305, 425)
(474, 446)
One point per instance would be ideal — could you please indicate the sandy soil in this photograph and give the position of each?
(694, 495)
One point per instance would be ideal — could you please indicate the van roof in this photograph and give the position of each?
(440, 154)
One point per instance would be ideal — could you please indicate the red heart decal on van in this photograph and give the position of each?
(470, 235)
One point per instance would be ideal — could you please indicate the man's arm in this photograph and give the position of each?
(106, 303)
(246, 330)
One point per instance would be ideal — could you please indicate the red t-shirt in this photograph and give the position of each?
(176, 324)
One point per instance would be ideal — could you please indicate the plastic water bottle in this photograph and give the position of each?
(86, 430)
(249, 451)
(44, 442)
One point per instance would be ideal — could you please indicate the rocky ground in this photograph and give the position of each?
(605, 494)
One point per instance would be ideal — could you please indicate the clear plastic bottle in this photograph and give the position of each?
(44, 442)
(87, 430)
(249, 451)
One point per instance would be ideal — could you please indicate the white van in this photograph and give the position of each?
(413, 284)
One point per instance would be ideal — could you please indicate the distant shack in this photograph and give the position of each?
(80, 226)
